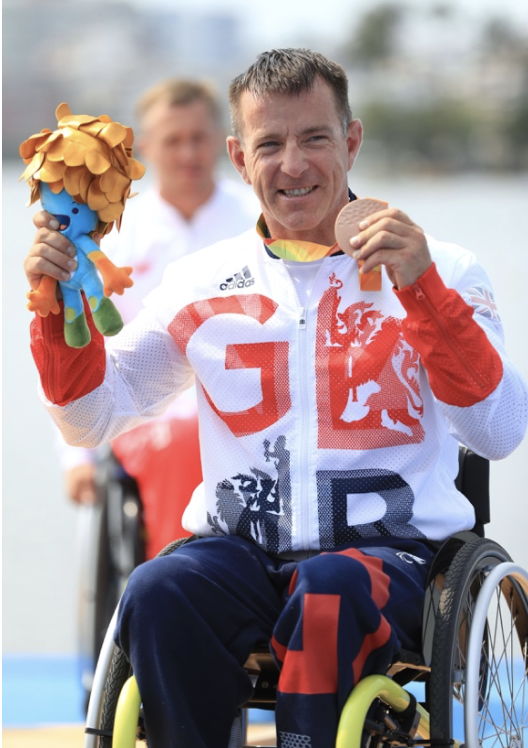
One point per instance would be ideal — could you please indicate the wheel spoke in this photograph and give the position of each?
(496, 678)
(505, 682)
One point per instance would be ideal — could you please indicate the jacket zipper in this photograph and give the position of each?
(420, 295)
(304, 514)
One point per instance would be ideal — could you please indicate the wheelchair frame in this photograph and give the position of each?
(110, 547)
(379, 710)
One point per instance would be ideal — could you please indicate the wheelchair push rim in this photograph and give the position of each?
(450, 671)
(498, 642)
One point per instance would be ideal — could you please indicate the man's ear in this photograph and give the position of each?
(354, 137)
(236, 154)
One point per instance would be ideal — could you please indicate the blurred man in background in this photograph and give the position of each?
(188, 207)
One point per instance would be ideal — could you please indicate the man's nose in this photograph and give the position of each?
(294, 162)
(188, 149)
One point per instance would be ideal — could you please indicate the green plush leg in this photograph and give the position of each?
(106, 318)
(76, 330)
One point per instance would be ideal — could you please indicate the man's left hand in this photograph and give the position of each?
(390, 238)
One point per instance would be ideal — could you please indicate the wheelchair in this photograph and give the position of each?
(112, 542)
(110, 546)
(468, 686)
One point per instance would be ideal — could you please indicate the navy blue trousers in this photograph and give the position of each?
(188, 622)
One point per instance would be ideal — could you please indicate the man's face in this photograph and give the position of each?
(183, 145)
(296, 156)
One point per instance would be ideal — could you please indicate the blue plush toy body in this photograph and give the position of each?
(76, 221)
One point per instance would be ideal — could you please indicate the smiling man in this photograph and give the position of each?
(329, 416)
(296, 157)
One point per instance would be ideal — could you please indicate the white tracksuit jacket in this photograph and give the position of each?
(318, 426)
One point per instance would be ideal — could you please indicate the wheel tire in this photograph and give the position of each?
(120, 671)
(118, 674)
(447, 681)
(119, 548)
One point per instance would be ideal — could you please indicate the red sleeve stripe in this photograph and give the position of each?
(66, 373)
(462, 365)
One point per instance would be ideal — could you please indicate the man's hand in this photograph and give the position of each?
(390, 238)
(80, 484)
(50, 254)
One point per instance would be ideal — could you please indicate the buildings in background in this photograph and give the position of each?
(99, 56)
(434, 88)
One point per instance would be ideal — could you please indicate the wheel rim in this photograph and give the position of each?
(460, 666)
(446, 693)
(496, 712)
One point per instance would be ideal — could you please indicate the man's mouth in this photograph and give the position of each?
(298, 192)
(64, 221)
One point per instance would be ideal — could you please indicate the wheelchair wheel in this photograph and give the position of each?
(500, 676)
(503, 600)
(118, 674)
(111, 546)
(119, 550)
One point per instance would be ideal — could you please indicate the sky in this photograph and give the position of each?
(273, 21)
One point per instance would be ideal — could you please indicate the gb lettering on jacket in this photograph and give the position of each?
(367, 376)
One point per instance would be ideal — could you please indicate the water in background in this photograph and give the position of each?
(486, 215)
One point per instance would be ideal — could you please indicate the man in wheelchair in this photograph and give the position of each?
(332, 397)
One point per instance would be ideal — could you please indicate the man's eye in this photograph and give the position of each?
(269, 144)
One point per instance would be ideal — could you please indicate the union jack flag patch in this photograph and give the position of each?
(483, 302)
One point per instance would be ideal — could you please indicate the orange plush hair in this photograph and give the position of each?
(91, 157)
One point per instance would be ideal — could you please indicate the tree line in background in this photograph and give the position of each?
(471, 110)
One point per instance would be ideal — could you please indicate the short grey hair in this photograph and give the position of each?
(289, 71)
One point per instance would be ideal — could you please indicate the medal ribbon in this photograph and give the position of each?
(293, 250)
(310, 251)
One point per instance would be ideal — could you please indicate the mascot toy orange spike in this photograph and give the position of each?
(82, 174)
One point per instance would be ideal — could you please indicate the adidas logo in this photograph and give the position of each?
(243, 279)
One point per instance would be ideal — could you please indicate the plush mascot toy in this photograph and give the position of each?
(82, 174)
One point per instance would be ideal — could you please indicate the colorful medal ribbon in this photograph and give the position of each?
(293, 250)
(370, 281)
